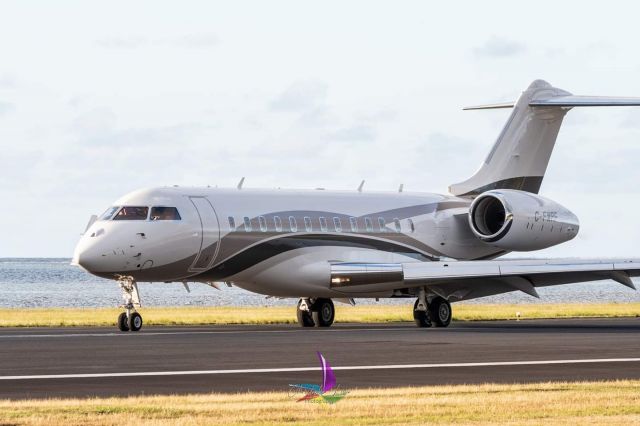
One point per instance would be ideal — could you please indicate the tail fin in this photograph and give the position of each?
(520, 155)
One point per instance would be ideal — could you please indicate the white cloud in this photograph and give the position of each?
(8, 81)
(6, 108)
(500, 47)
(357, 133)
(199, 40)
(302, 96)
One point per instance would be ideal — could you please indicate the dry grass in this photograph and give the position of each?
(286, 315)
(614, 403)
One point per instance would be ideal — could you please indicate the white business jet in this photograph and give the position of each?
(317, 245)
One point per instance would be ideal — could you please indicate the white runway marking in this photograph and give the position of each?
(344, 368)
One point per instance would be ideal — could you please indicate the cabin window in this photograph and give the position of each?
(368, 224)
(323, 224)
(354, 224)
(278, 222)
(412, 227)
(382, 224)
(164, 213)
(232, 223)
(107, 215)
(132, 213)
(263, 223)
(247, 224)
(293, 225)
(307, 224)
(396, 221)
(337, 224)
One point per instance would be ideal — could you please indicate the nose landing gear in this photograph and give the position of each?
(130, 320)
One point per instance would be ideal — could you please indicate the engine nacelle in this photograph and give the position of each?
(520, 221)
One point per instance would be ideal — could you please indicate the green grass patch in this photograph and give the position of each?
(611, 403)
(40, 317)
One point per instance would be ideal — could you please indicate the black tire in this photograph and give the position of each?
(440, 312)
(421, 317)
(123, 324)
(323, 312)
(304, 317)
(135, 321)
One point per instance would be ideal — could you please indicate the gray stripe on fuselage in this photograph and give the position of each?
(239, 239)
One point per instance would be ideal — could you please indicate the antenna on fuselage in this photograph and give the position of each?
(361, 185)
(401, 187)
(240, 183)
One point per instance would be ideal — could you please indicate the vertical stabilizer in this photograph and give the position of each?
(520, 155)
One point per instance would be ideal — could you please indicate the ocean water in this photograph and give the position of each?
(55, 283)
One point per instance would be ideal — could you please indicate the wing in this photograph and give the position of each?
(463, 280)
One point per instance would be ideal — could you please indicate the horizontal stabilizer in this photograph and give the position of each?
(585, 101)
(567, 102)
(491, 106)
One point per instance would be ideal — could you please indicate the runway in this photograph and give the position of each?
(63, 362)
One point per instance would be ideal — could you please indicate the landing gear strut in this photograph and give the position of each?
(129, 320)
(421, 310)
(305, 319)
(318, 312)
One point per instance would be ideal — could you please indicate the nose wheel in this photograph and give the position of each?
(130, 319)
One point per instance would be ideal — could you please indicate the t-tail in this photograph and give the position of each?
(520, 155)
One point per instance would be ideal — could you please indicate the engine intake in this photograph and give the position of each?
(520, 221)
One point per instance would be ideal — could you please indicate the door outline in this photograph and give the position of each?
(193, 268)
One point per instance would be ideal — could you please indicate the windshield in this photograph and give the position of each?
(164, 213)
(132, 213)
(107, 215)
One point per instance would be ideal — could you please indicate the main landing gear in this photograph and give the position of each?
(130, 320)
(437, 312)
(315, 312)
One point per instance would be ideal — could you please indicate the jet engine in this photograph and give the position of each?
(520, 221)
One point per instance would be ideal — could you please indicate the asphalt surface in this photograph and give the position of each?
(197, 359)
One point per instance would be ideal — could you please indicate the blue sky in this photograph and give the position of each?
(98, 99)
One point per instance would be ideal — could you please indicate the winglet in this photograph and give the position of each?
(240, 183)
(361, 186)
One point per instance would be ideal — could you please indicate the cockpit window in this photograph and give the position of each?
(164, 213)
(132, 213)
(107, 215)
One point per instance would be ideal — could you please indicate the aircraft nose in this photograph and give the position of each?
(88, 254)
(87, 258)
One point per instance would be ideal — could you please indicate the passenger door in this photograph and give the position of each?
(209, 234)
